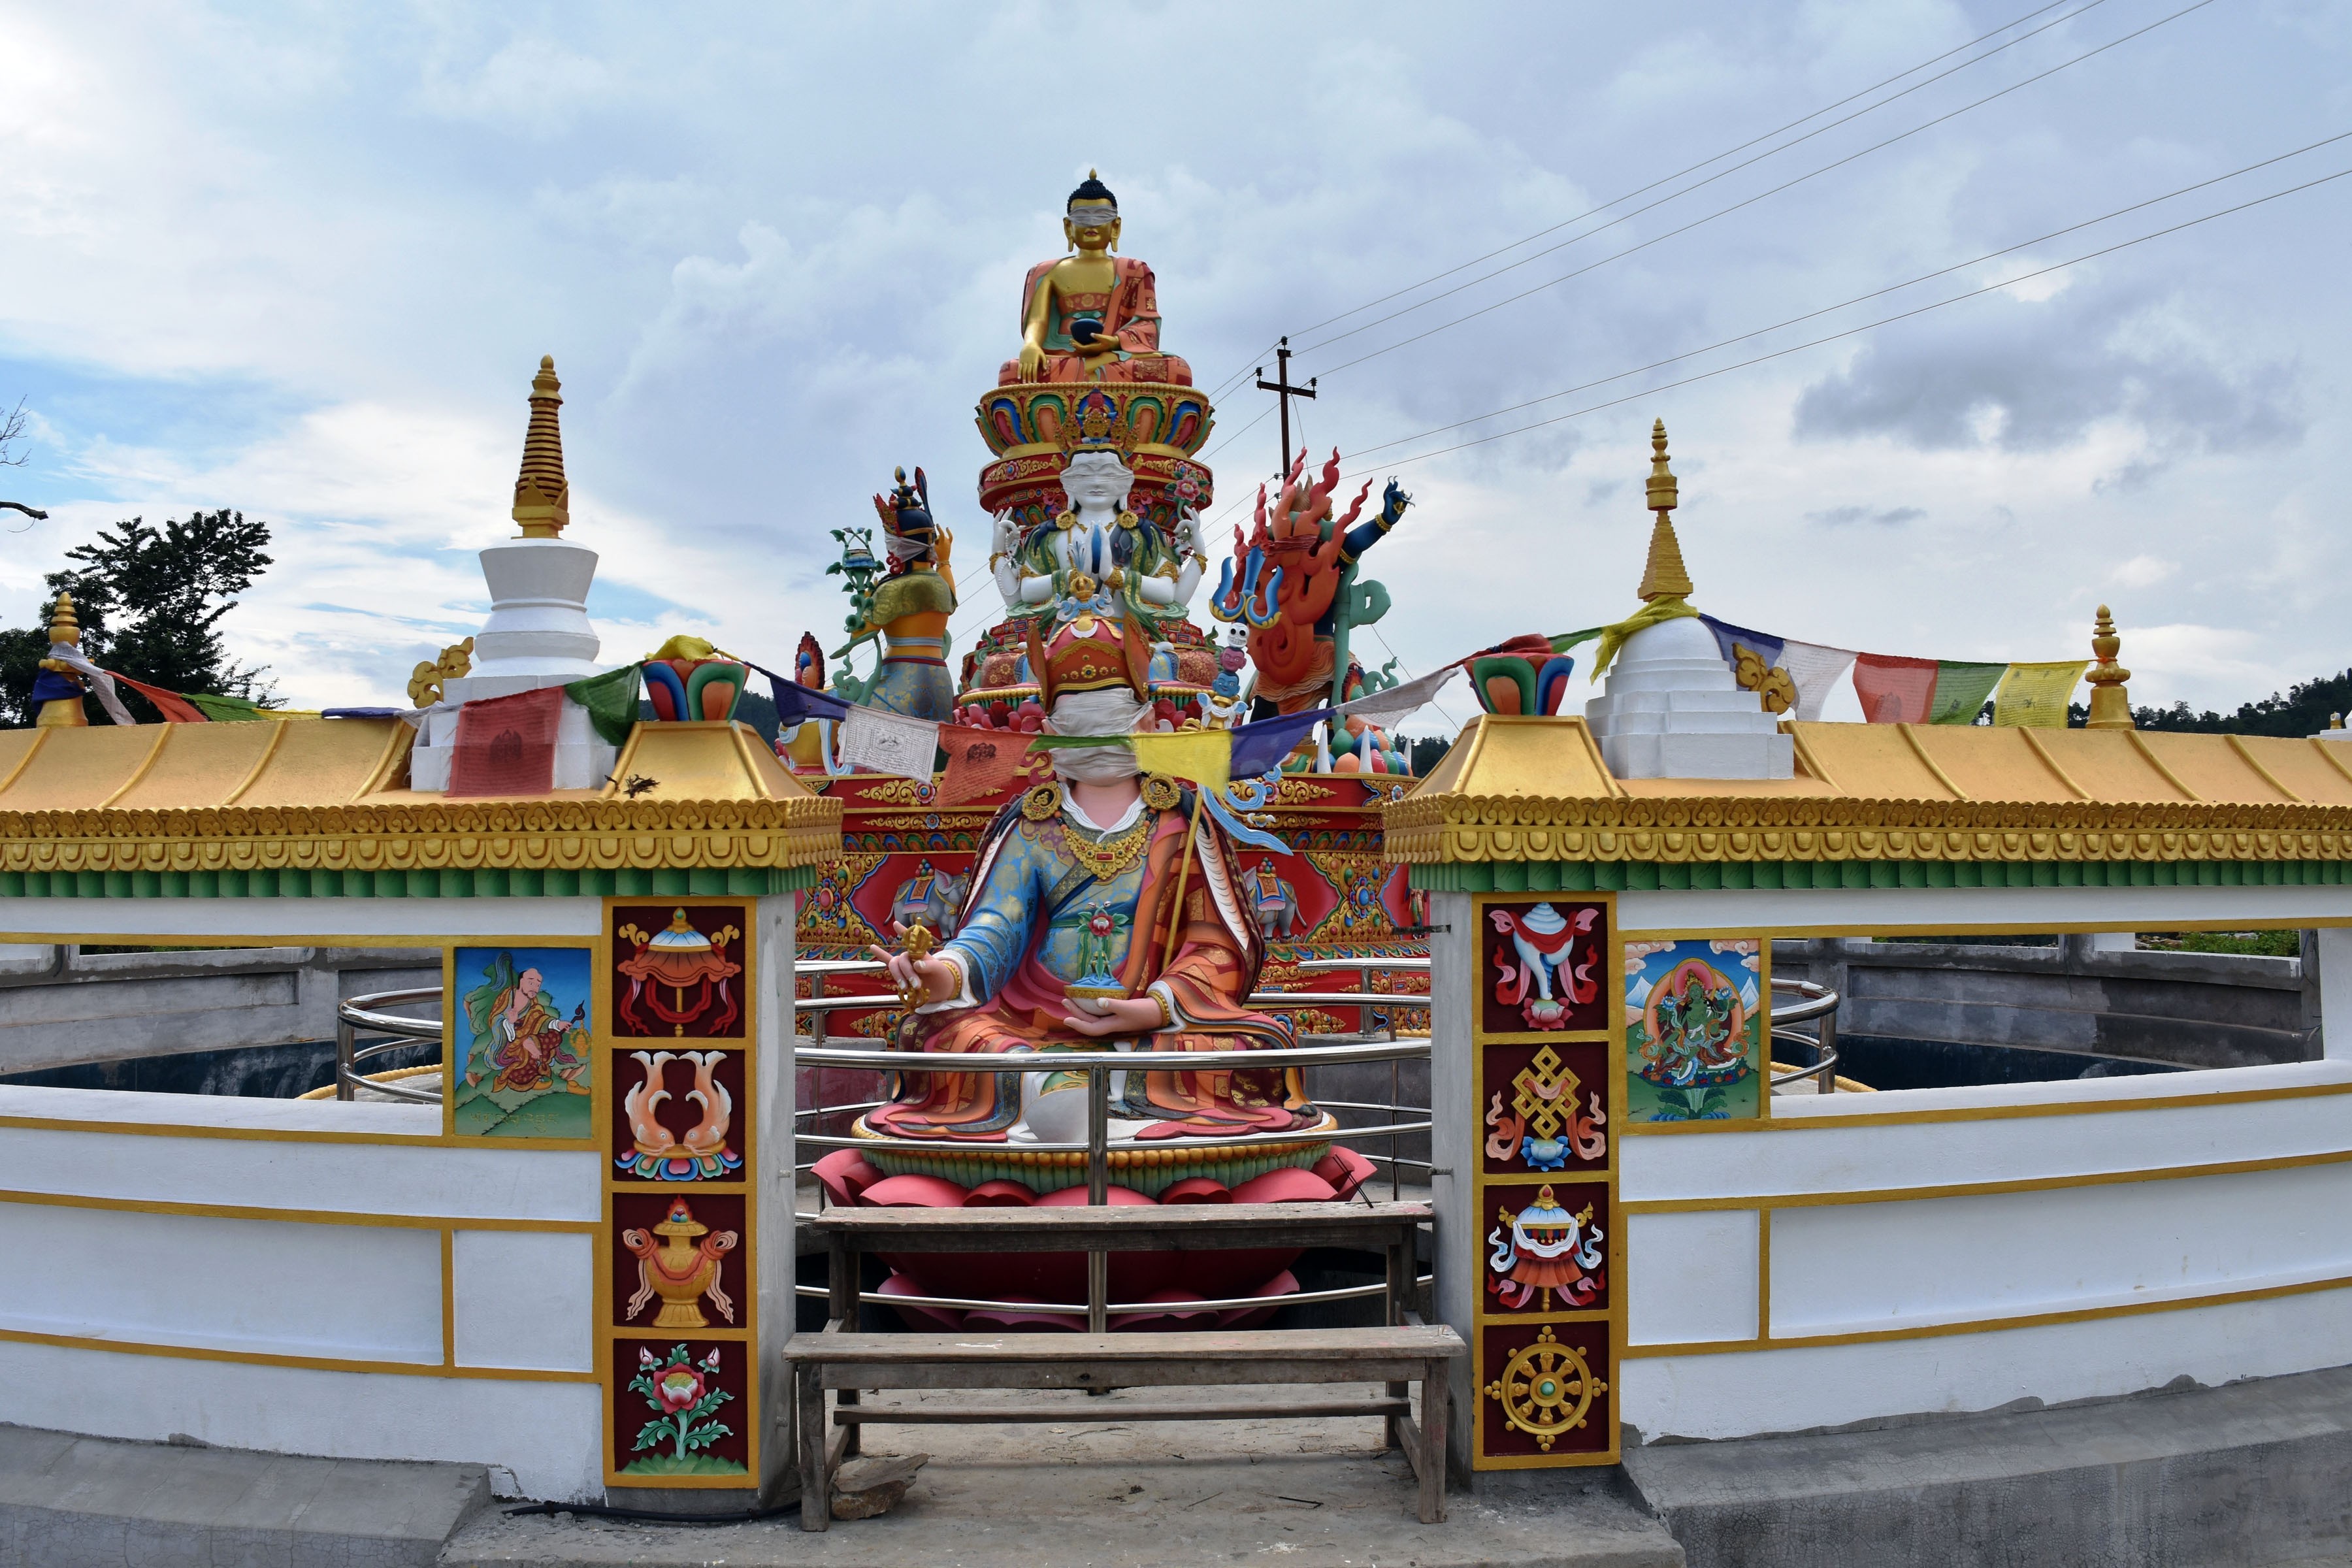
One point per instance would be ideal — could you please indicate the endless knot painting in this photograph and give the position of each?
(1546, 1107)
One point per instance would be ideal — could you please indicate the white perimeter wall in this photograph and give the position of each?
(1841, 1267)
(170, 1282)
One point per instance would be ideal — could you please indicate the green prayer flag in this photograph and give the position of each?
(225, 710)
(610, 699)
(1961, 690)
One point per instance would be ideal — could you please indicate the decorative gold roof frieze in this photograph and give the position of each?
(568, 835)
(1996, 794)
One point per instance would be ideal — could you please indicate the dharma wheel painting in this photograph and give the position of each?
(1696, 1013)
(1543, 1391)
(521, 1036)
(677, 971)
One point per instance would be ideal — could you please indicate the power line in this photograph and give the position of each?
(1678, 175)
(1392, 653)
(1721, 212)
(1867, 326)
(1718, 174)
(1890, 289)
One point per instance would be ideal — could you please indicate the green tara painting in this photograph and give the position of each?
(1695, 1024)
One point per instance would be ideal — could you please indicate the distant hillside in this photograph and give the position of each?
(2304, 710)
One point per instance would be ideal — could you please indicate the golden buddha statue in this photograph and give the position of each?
(1093, 315)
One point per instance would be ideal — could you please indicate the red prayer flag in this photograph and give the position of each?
(176, 709)
(1895, 690)
(979, 762)
(506, 745)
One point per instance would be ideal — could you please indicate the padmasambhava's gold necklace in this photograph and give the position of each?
(1106, 857)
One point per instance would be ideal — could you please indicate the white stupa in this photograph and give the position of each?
(539, 633)
(1671, 708)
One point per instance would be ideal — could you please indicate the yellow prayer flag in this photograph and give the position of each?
(1203, 756)
(2037, 694)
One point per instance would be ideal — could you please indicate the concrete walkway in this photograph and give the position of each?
(90, 1502)
(1161, 1494)
(2248, 1475)
(2257, 1475)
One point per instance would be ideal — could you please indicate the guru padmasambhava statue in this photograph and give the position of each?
(1093, 315)
(1105, 913)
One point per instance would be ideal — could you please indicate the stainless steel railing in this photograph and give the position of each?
(358, 1014)
(1366, 1045)
(1819, 1008)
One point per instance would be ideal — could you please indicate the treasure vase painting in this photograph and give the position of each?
(677, 1260)
(1696, 1017)
(525, 1066)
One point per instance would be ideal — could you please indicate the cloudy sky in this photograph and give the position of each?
(303, 260)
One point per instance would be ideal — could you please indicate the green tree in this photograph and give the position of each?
(2305, 709)
(150, 600)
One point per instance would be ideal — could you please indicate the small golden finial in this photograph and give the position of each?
(1664, 576)
(63, 711)
(543, 501)
(2335, 721)
(63, 627)
(2110, 699)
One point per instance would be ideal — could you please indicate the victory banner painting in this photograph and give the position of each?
(521, 1041)
(1696, 1017)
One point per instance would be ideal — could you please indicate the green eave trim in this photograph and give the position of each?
(1646, 876)
(757, 881)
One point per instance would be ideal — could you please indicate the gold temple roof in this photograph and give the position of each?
(332, 794)
(1535, 789)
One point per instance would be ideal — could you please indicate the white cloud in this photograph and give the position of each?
(776, 254)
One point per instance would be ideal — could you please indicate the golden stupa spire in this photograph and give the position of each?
(63, 625)
(1664, 576)
(542, 501)
(2110, 698)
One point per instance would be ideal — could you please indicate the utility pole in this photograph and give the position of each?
(1282, 389)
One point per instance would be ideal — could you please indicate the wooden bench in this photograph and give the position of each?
(1402, 1352)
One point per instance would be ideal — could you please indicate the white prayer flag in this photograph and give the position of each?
(889, 743)
(1384, 707)
(1815, 670)
(101, 685)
